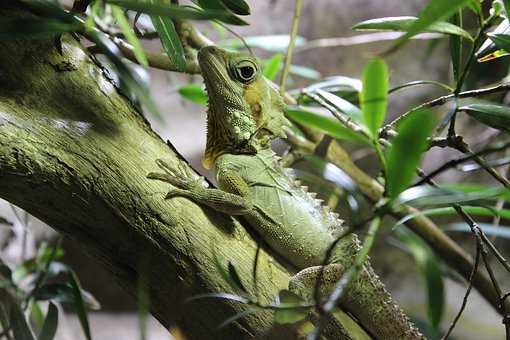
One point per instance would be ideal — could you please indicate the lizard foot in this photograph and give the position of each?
(179, 176)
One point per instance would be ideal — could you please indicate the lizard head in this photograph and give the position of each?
(245, 110)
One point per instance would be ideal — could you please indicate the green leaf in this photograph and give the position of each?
(19, 324)
(336, 83)
(404, 154)
(405, 23)
(290, 308)
(419, 83)
(456, 47)
(488, 47)
(273, 66)
(178, 12)
(239, 7)
(426, 195)
(49, 328)
(274, 43)
(501, 40)
(130, 35)
(79, 305)
(169, 39)
(342, 105)
(493, 115)
(506, 3)
(194, 93)
(36, 316)
(374, 95)
(324, 124)
(430, 268)
(435, 11)
(305, 72)
(16, 28)
(448, 211)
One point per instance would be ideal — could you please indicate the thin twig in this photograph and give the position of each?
(444, 99)
(453, 163)
(292, 42)
(466, 295)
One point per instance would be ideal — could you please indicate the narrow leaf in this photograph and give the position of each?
(374, 95)
(169, 39)
(429, 266)
(130, 35)
(405, 23)
(501, 40)
(19, 324)
(79, 305)
(506, 3)
(273, 66)
(425, 195)
(178, 12)
(239, 7)
(436, 10)
(493, 115)
(194, 93)
(404, 155)
(489, 229)
(49, 328)
(456, 47)
(16, 28)
(324, 124)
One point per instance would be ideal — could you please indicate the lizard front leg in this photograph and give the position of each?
(234, 200)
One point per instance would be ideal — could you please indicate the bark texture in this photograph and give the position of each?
(75, 153)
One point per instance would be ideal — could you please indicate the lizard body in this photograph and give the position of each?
(245, 113)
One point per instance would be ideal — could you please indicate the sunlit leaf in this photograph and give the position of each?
(324, 124)
(274, 43)
(36, 316)
(419, 83)
(429, 267)
(49, 328)
(374, 95)
(169, 39)
(305, 72)
(221, 296)
(130, 35)
(493, 115)
(435, 11)
(448, 211)
(272, 66)
(405, 23)
(404, 154)
(178, 12)
(426, 195)
(488, 46)
(336, 83)
(194, 93)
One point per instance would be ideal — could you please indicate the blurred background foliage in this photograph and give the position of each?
(357, 68)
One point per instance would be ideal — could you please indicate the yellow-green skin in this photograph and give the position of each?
(245, 113)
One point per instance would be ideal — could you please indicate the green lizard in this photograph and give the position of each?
(245, 113)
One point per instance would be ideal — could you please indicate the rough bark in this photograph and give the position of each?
(75, 153)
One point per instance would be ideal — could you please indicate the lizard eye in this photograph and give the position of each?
(245, 71)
